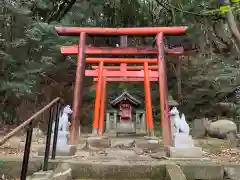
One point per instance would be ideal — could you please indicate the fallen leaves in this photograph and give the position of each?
(9, 152)
(225, 154)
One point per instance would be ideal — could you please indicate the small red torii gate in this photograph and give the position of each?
(122, 71)
(103, 75)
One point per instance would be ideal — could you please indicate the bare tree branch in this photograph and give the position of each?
(66, 10)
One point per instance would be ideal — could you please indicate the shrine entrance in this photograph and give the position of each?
(122, 73)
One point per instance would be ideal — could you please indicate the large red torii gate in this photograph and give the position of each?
(145, 74)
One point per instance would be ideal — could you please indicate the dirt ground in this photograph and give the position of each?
(219, 150)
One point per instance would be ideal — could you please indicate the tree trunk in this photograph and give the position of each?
(233, 26)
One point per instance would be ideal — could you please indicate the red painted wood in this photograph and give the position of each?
(122, 60)
(71, 50)
(108, 73)
(78, 91)
(128, 79)
(71, 31)
(165, 122)
(128, 67)
(98, 97)
(125, 111)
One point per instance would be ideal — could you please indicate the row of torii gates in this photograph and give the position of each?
(123, 73)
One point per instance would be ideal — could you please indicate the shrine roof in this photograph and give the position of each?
(125, 96)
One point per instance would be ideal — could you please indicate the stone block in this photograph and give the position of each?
(174, 172)
(13, 165)
(202, 170)
(43, 175)
(149, 145)
(94, 132)
(111, 134)
(122, 154)
(82, 154)
(118, 143)
(232, 172)
(120, 169)
(198, 128)
(159, 155)
(82, 144)
(125, 127)
(140, 123)
(182, 140)
(193, 152)
(138, 151)
(98, 142)
(69, 150)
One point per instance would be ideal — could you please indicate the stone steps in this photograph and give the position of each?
(117, 169)
(174, 172)
(105, 142)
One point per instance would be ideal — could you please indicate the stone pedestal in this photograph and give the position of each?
(126, 127)
(183, 141)
(69, 150)
(193, 152)
(140, 123)
(63, 149)
(94, 132)
(183, 147)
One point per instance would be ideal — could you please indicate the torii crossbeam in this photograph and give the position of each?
(103, 75)
(69, 50)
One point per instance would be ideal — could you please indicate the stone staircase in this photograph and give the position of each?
(139, 145)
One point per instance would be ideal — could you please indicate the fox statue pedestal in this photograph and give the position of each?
(182, 140)
(63, 149)
(183, 147)
(183, 144)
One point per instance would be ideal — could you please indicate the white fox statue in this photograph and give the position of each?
(63, 127)
(179, 125)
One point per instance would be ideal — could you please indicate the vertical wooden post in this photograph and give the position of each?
(78, 91)
(102, 108)
(148, 101)
(123, 41)
(95, 120)
(98, 99)
(165, 122)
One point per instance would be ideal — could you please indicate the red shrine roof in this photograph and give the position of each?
(125, 96)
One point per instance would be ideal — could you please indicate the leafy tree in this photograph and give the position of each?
(29, 47)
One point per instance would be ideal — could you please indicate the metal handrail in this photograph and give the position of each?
(54, 109)
(28, 121)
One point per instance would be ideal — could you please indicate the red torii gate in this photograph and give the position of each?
(81, 50)
(124, 70)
